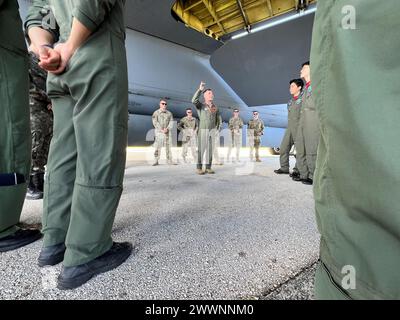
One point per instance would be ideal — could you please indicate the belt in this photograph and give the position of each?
(11, 179)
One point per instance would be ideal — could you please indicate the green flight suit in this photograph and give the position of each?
(162, 120)
(188, 127)
(235, 126)
(356, 78)
(255, 129)
(209, 125)
(289, 139)
(308, 135)
(88, 150)
(15, 142)
(217, 141)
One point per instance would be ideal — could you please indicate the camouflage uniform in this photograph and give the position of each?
(41, 116)
(189, 129)
(162, 120)
(255, 130)
(235, 125)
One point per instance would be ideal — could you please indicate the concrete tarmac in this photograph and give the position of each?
(238, 234)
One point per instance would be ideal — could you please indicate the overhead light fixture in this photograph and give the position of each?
(276, 22)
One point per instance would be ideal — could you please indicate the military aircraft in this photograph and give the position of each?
(245, 50)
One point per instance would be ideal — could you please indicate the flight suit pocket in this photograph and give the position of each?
(119, 156)
(87, 50)
(325, 207)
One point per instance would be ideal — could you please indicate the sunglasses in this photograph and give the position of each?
(163, 103)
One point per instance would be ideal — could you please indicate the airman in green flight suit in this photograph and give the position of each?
(289, 139)
(355, 71)
(15, 142)
(88, 87)
(308, 132)
(209, 124)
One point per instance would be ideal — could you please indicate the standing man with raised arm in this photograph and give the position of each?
(209, 122)
(89, 93)
(15, 141)
(289, 139)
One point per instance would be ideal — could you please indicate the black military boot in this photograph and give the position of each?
(35, 186)
(73, 277)
(40, 181)
(280, 171)
(294, 174)
(20, 238)
(297, 178)
(52, 255)
(307, 181)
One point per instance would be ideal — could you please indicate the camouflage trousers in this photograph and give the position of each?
(236, 142)
(254, 143)
(41, 132)
(162, 140)
(191, 142)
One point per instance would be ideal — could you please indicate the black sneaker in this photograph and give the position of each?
(20, 238)
(73, 277)
(280, 171)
